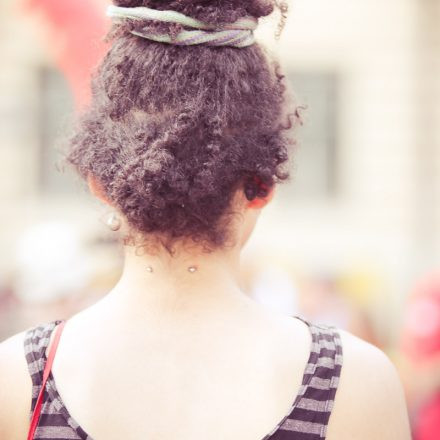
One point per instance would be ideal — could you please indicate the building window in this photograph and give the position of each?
(55, 117)
(314, 175)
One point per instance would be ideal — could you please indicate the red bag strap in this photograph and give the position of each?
(47, 368)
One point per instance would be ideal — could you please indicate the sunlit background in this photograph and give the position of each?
(353, 240)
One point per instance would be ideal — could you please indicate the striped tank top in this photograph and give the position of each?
(306, 419)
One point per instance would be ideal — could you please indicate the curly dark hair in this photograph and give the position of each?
(173, 131)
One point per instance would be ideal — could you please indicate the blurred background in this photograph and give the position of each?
(353, 240)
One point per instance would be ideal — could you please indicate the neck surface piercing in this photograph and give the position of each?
(191, 269)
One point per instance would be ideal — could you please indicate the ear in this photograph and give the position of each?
(260, 202)
(96, 189)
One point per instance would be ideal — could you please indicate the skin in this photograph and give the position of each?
(224, 367)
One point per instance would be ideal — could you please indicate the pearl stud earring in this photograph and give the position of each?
(149, 269)
(114, 222)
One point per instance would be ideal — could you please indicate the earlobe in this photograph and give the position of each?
(96, 188)
(269, 197)
(260, 202)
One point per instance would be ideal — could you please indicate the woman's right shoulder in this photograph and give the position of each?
(15, 385)
(15, 388)
(370, 400)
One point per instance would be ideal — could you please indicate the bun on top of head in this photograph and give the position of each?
(172, 132)
(211, 11)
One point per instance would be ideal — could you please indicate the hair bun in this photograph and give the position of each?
(172, 134)
(208, 10)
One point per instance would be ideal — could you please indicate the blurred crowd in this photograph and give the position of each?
(54, 282)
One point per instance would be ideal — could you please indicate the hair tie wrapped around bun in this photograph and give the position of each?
(238, 34)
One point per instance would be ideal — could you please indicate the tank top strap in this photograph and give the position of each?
(323, 372)
(311, 410)
(36, 341)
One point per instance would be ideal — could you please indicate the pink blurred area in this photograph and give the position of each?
(421, 333)
(78, 28)
(420, 347)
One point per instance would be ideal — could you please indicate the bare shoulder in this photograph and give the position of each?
(370, 402)
(15, 388)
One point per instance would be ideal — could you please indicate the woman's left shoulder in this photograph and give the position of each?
(370, 401)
